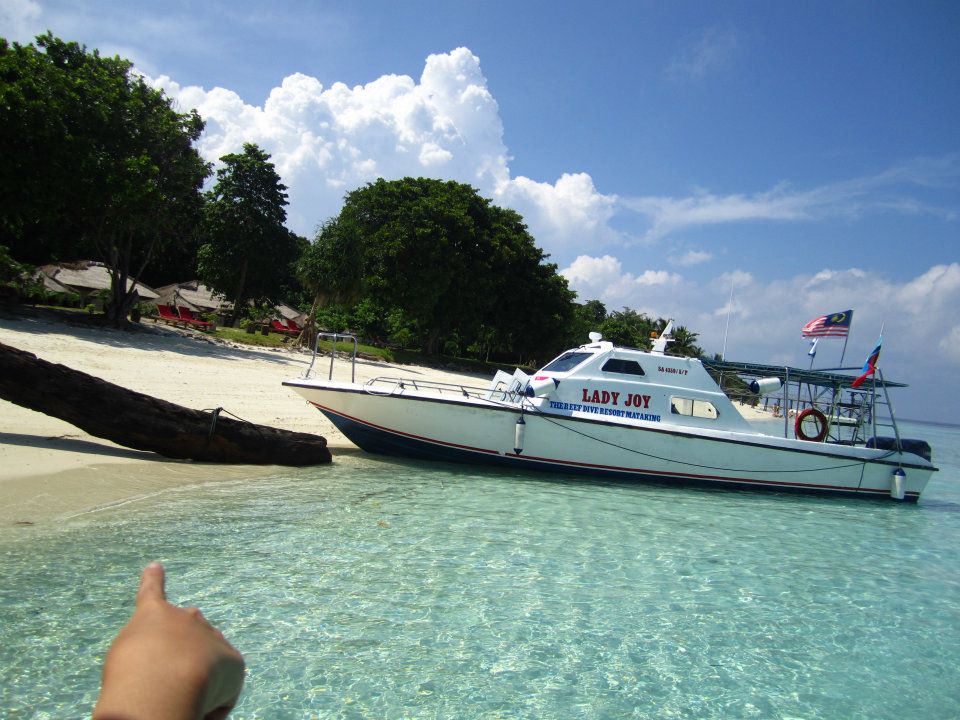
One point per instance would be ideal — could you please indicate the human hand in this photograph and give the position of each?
(168, 663)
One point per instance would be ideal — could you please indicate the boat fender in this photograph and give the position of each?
(765, 386)
(897, 484)
(917, 447)
(821, 423)
(518, 436)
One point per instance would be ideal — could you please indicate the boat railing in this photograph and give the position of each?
(852, 414)
(389, 385)
(334, 338)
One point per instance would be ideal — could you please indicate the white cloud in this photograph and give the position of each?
(920, 312)
(569, 212)
(885, 192)
(327, 141)
(603, 278)
(702, 53)
(18, 18)
(949, 344)
(691, 258)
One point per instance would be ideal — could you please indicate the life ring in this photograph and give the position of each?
(821, 421)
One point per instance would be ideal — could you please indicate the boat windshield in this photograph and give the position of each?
(566, 362)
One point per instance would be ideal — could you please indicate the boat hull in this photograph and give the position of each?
(424, 426)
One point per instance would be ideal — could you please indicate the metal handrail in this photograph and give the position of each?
(334, 338)
(440, 387)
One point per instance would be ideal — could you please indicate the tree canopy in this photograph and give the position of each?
(629, 328)
(437, 262)
(247, 252)
(95, 161)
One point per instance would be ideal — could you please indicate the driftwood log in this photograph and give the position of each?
(142, 422)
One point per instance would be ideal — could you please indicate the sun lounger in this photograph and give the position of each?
(188, 317)
(279, 327)
(169, 315)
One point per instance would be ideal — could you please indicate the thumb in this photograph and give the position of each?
(151, 584)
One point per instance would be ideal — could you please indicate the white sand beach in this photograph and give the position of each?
(51, 470)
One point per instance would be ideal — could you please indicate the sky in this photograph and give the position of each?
(741, 167)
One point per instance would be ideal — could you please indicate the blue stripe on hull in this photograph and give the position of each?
(382, 442)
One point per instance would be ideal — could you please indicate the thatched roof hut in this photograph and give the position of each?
(88, 278)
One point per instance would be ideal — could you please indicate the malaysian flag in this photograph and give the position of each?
(835, 325)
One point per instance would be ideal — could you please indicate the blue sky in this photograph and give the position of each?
(805, 154)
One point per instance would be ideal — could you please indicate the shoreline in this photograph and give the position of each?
(51, 470)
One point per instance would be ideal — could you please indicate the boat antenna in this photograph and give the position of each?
(723, 353)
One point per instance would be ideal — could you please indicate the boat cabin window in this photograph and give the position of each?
(693, 408)
(625, 367)
(567, 361)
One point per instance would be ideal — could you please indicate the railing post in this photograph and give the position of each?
(334, 337)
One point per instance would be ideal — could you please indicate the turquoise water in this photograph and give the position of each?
(384, 589)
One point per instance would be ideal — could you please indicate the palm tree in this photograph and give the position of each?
(684, 343)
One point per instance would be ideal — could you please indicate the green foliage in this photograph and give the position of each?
(585, 318)
(628, 328)
(330, 267)
(11, 271)
(334, 318)
(436, 262)
(96, 162)
(248, 253)
(684, 343)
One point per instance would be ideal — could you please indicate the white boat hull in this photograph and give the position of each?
(425, 425)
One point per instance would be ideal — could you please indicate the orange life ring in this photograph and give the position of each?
(821, 420)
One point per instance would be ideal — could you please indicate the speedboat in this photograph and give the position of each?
(623, 413)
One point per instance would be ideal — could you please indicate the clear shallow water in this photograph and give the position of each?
(387, 589)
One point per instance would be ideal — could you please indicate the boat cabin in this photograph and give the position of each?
(626, 385)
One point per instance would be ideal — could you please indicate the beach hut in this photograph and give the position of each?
(285, 312)
(196, 296)
(90, 280)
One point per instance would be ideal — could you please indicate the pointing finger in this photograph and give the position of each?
(151, 583)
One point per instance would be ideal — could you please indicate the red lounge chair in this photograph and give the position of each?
(279, 327)
(188, 317)
(168, 315)
(293, 326)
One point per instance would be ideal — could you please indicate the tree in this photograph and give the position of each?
(629, 328)
(247, 253)
(442, 263)
(95, 161)
(684, 343)
(329, 268)
(587, 317)
(533, 307)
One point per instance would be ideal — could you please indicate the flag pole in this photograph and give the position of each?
(845, 339)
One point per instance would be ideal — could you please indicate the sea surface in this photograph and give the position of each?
(377, 588)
